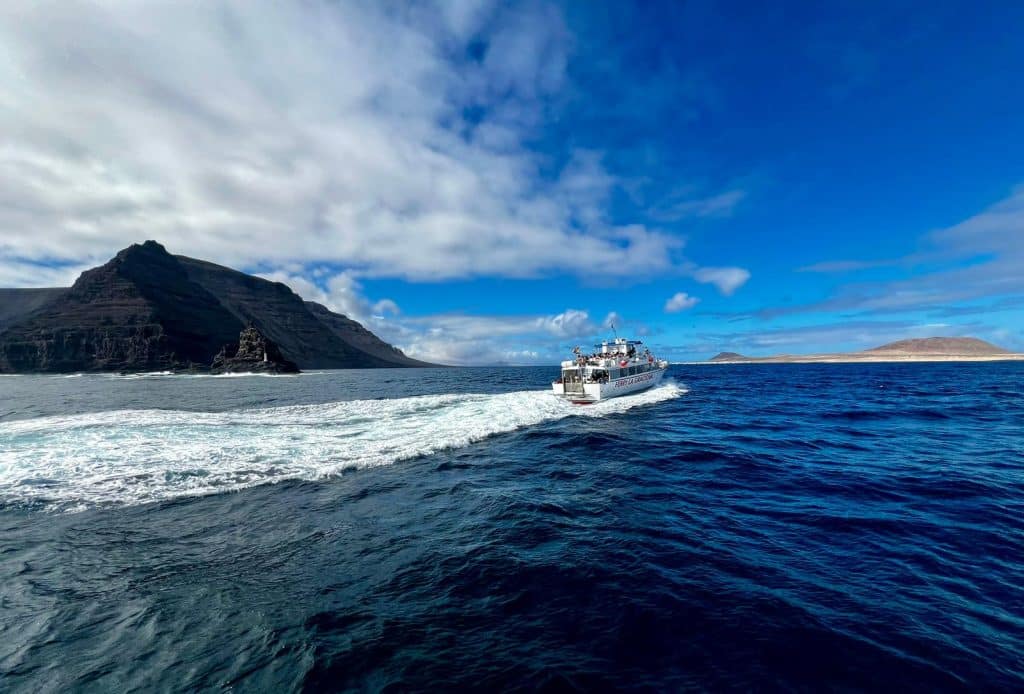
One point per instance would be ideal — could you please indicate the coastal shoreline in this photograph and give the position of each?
(927, 349)
(845, 359)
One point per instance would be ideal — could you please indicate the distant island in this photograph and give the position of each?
(921, 349)
(148, 310)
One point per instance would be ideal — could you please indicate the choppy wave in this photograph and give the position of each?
(762, 529)
(139, 456)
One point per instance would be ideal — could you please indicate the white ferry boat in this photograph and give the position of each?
(618, 368)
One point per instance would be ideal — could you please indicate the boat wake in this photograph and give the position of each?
(140, 456)
(177, 375)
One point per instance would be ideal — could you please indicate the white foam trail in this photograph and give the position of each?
(173, 374)
(137, 456)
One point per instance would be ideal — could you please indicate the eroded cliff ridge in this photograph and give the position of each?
(148, 310)
(137, 312)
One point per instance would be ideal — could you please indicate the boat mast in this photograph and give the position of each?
(579, 363)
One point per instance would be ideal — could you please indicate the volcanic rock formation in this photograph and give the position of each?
(148, 310)
(253, 353)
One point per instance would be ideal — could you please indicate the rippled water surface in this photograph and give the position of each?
(746, 527)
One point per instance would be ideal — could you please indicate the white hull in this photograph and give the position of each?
(595, 392)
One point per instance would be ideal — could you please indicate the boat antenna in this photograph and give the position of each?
(612, 326)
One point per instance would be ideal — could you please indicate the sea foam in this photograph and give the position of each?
(139, 456)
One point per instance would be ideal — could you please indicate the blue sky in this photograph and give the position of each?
(483, 182)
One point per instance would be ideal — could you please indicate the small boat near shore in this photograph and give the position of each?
(618, 367)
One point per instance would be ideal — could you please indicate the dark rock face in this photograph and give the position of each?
(281, 315)
(138, 312)
(253, 353)
(147, 310)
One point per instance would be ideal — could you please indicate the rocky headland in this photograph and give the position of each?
(253, 353)
(148, 310)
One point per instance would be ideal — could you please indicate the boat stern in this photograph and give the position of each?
(590, 393)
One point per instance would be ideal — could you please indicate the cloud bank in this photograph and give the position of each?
(322, 144)
(393, 142)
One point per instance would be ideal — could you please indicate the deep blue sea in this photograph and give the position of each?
(820, 527)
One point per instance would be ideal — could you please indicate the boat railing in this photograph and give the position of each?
(573, 386)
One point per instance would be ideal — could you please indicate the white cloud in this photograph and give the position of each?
(726, 279)
(998, 229)
(718, 205)
(262, 133)
(839, 266)
(452, 338)
(570, 323)
(466, 339)
(386, 307)
(15, 272)
(680, 301)
(456, 338)
(320, 142)
(472, 353)
(340, 292)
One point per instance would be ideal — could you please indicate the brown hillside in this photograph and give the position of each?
(941, 345)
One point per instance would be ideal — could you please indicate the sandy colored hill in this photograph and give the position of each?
(942, 345)
(920, 349)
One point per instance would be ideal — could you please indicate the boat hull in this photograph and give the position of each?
(595, 392)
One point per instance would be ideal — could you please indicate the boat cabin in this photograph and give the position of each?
(619, 358)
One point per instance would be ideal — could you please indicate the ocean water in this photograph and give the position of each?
(753, 527)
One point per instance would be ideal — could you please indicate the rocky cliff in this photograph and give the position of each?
(253, 353)
(147, 310)
(281, 315)
(138, 312)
